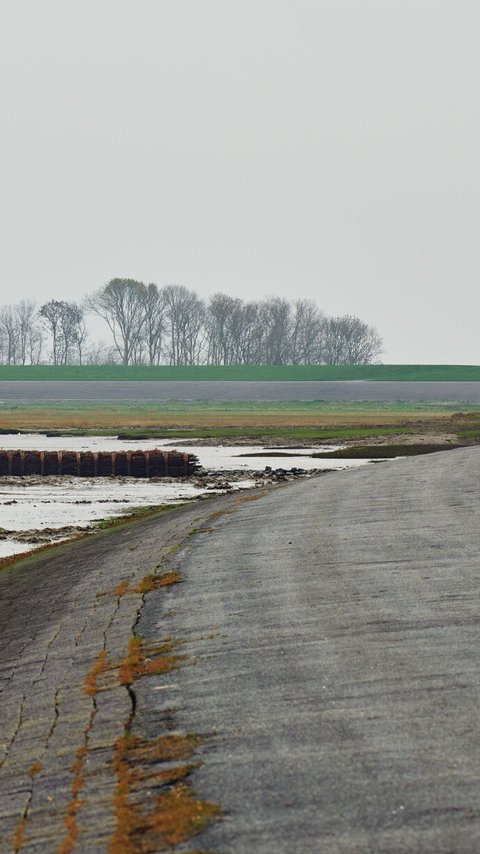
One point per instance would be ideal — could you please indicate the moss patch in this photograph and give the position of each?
(174, 814)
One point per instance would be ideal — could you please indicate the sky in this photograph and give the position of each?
(327, 149)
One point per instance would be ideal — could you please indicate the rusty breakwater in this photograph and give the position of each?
(153, 463)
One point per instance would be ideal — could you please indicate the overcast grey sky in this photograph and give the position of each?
(317, 148)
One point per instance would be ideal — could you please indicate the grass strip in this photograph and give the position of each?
(243, 373)
(379, 452)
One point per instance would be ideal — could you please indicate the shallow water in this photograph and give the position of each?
(216, 458)
(35, 503)
(56, 502)
(13, 547)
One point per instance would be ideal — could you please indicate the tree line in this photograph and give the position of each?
(151, 325)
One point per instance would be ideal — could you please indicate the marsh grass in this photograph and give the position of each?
(141, 418)
(373, 452)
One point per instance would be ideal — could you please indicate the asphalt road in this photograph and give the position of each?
(329, 633)
(340, 678)
(453, 392)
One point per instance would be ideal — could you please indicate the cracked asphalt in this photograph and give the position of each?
(331, 635)
(57, 612)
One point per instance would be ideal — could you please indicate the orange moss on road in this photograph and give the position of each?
(142, 660)
(156, 581)
(19, 838)
(174, 814)
(90, 685)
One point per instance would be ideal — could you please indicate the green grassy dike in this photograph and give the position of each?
(244, 373)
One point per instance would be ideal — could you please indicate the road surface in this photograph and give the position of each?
(341, 679)
(448, 392)
(329, 633)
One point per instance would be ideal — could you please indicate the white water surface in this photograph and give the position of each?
(54, 502)
(212, 458)
(13, 547)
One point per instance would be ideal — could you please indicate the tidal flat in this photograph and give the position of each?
(35, 510)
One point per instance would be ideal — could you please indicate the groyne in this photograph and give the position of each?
(152, 463)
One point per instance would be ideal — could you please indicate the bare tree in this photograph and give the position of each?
(193, 341)
(64, 322)
(276, 314)
(35, 346)
(9, 330)
(266, 332)
(151, 325)
(185, 316)
(364, 343)
(349, 341)
(155, 323)
(27, 321)
(101, 353)
(78, 330)
(250, 337)
(73, 331)
(51, 315)
(121, 304)
(223, 329)
(306, 335)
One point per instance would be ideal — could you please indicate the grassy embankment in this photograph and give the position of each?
(245, 373)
